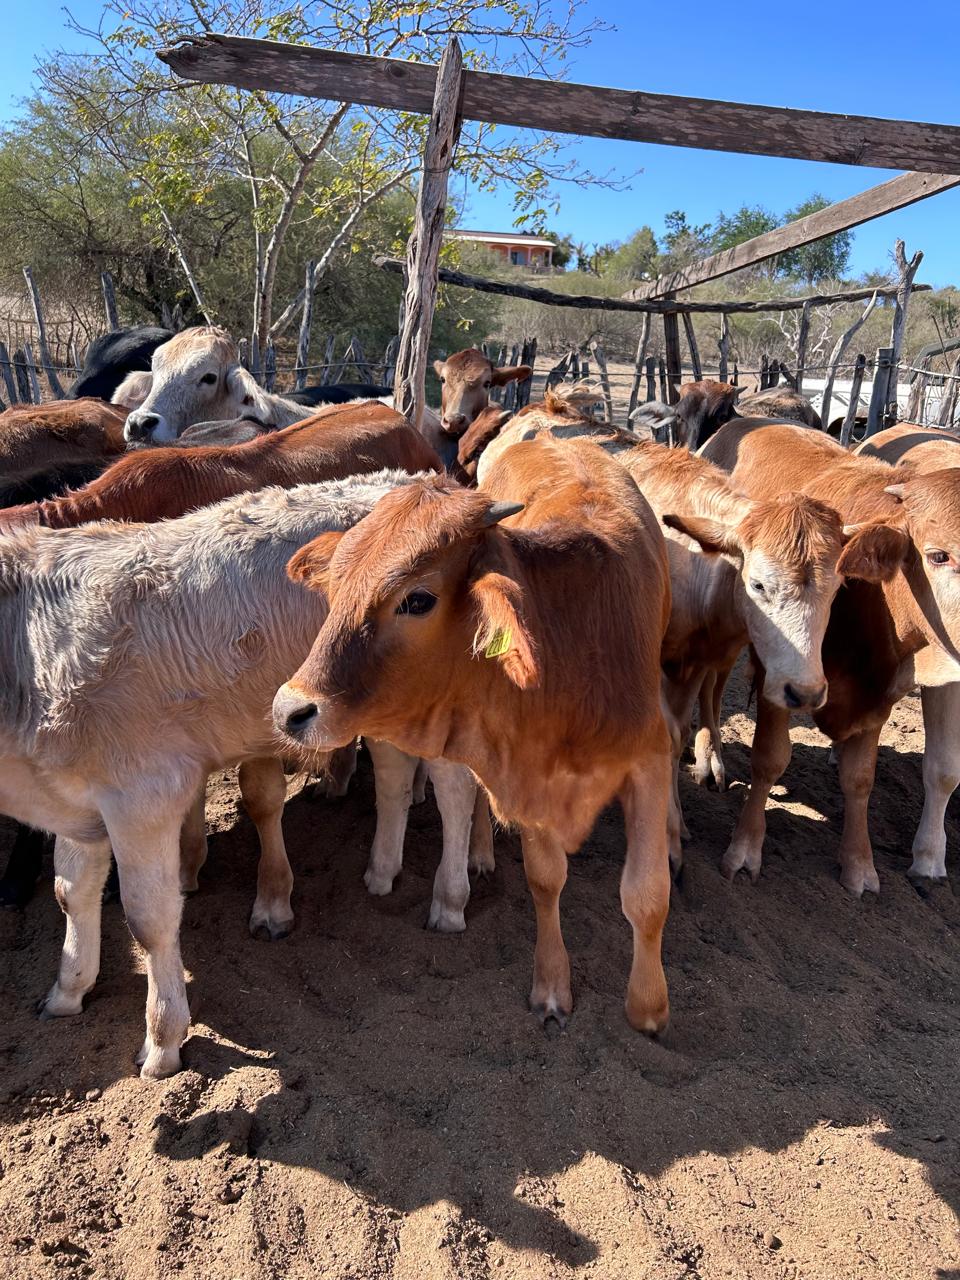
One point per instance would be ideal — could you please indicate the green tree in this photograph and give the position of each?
(824, 259)
(563, 249)
(636, 258)
(682, 241)
(294, 160)
(747, 222)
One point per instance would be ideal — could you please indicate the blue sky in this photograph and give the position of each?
(826, 56)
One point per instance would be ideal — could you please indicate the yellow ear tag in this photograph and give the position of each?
(499, 644)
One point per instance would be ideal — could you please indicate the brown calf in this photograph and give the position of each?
(898, 626)
(465, 381)
(159, 484)
(531, 653)
(37, 437)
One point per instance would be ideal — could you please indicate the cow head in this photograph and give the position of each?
(703, 407)
(195, 377)
(792, 554)
(420, 591)
(465, 382)
(930, 507)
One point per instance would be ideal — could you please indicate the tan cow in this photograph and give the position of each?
(886, 634)
(926, 450)
(543, 671)
(466, 379)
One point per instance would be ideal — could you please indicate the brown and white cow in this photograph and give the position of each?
(893, 626)
(466, 379)
(528, 650)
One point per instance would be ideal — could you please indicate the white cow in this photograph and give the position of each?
(140, 658)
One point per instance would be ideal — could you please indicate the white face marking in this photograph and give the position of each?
(786, 622)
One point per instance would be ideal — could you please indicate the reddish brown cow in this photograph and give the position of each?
(161, 483)
(704, 407)
(531, 653)
(883, 636)
(465, 381)
(41, 436)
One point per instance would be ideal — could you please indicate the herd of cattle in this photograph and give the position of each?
(526, 609)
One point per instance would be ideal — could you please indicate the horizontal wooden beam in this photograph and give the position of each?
(558, 107)
(655, 306)
(873, 203)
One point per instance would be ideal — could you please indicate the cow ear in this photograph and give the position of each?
(711, 534)
(243, 388)
(438, 368)
(502, 635)
(310, 564)
(510, 373)
(873, 552)
(897, 491)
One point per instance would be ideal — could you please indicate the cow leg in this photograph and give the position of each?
(545, 864)
(193, 841)
(147, 849)
(941, 773)
(420, 782)
(645, 891)
(80, 871)
(263, 789)
(769, 756)
(481, 860)
(23, 867)
(677, 702)
(708, 744)
(858, 766)
(394, 772)
(455, 788)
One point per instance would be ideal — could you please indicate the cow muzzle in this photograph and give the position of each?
(298, 717)
(454, 424)
(798, 697)
(141, 427)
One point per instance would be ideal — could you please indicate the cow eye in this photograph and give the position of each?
(487, 383)
(417, 603)
(938, 557)
(758, 587)
(208, 380)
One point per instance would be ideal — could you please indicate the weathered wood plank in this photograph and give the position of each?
(559, 107)
(423, 249)
(601, 358)
(45, 357)
(306, 319)
(6, 373)
(723, 344)
(846, 431)
(30, 365)
(692, 346)
(803, 334)
(905, 273)
(638, 364)
(671, 352)
(895, 194)
(835, 357)
(109, 300)
(652, 306)
(880, 394)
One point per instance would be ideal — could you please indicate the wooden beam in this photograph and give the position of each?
(423, 247)
(888, 196)
(655, 306)
(558, 107)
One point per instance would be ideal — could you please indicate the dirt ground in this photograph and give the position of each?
(367, 1099)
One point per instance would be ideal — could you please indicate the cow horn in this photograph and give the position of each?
(498, 511)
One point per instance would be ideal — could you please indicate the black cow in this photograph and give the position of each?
(111, 357)
(338, 393)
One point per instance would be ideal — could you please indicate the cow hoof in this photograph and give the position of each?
(160, 1063)
(481, 864)
(189, 884)
(649, 1022)
(737, 858)
(57, 1004)
(553, 1008)
(552, 1020)
(928, 869)
(379, 883)
(267, 928)
(860, 880)
(446, 919)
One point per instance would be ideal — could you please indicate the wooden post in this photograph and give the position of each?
(390, 361)
(423, 248)
(30, 365)
(949, 402)
(671, 343)
(764, 374)
(109, 300)
(906, 271)
(45, 357)
(510, 390)
(243, 353)
(692, 344)
(528, 356)
(880, 394)
(24, 394)
(6, 373)
(255, 358)
(846, 430)
(306, 319)
(601, 358)
(784, 372)
(575, 366)
(328, 351)
(558, 372)
(638, 365)
(735, 380)
(269, 366)
(803, 333)
(662, 378)
(835, 357)
(724, 345)
(651, 376)
(73, 358)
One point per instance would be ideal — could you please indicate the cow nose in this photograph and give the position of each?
(139, 425)
(811, 697)
(292, 712)
(300, 718)
(454, 423)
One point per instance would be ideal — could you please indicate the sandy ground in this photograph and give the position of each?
(367, 1099)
